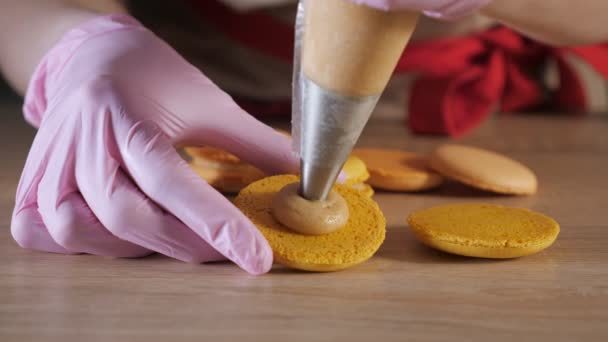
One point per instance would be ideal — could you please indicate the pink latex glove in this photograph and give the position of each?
(102, 177)
(444, 9)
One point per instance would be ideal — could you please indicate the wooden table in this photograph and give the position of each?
(406, 292)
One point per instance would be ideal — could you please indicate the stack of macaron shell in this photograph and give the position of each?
(480, 229)
(398, 170)
(229, 174)
(357, 174)
(348, 246)
(468, 229)
(224, 171)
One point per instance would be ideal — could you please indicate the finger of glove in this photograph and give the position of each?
(27, 227)
(72, 225)
(391, 5)
(67, 217)
(128, 214)
(239, 133)
(234, 130)
(29, 231)
(164, 176)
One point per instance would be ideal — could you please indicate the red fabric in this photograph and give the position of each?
(462, 80)
(254, 29)
(571, 96)
(264, 109)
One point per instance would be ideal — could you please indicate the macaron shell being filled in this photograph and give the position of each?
(484, 230)
(397, 170)
(483, 169)
(350, 245)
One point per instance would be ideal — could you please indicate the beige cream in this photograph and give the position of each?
(353, 49)
(309, 217)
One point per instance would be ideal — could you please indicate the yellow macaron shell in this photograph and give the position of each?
(484, 230)
(355, 170)
(364, 188)
(350, 245)
(483, 169)
(356, 175)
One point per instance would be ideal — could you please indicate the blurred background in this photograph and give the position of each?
(6, 93)
(13, 132)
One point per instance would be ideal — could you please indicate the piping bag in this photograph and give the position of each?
(344, 56)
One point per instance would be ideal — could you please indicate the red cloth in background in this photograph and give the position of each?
(461, 80)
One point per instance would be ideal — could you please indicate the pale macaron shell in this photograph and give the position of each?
(483, 169)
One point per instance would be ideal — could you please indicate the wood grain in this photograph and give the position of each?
(406, 292)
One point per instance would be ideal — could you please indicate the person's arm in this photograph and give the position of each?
(29, 28)
(556, 22)
(110, 101)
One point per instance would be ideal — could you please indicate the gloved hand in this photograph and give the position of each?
(444, 9)
(102, 177)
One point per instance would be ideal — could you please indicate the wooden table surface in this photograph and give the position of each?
(406, 292)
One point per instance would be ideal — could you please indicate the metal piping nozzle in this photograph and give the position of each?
(331, 125)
